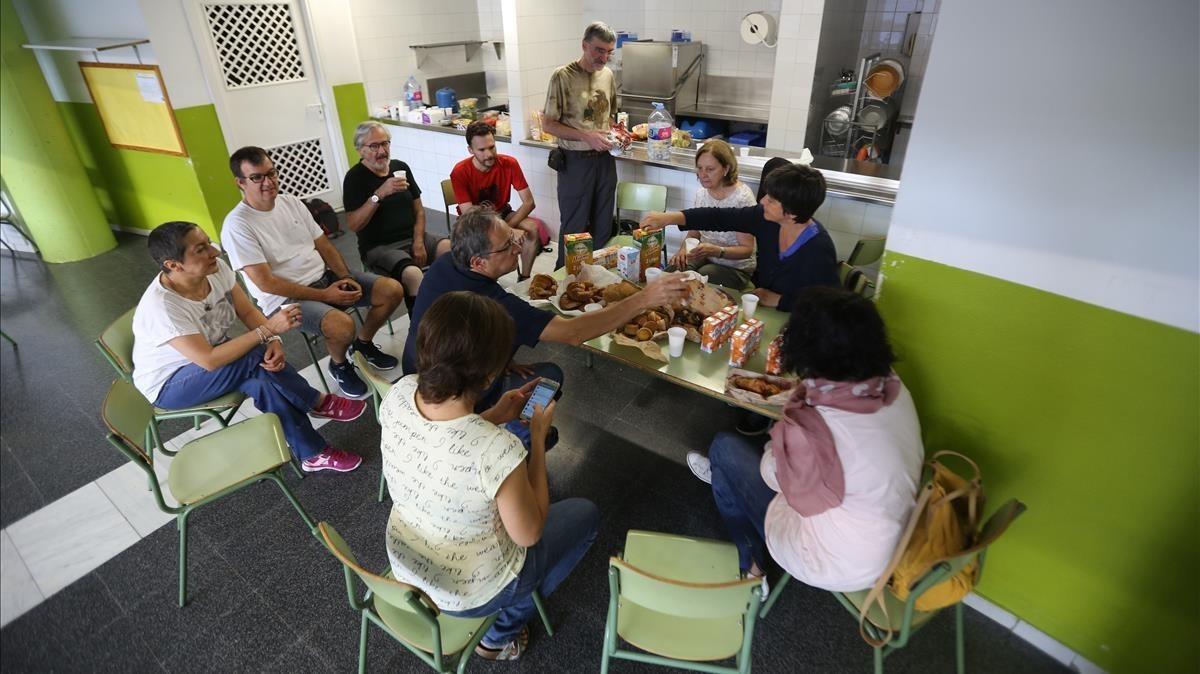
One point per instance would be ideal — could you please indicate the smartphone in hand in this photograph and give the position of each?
(543, 393)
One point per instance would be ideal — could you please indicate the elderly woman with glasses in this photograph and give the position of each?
(383, 207)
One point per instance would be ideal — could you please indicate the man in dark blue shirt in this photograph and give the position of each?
(482, 249)
(794, 250)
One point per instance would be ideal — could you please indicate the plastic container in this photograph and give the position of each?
(659, 127)
(755, 138)
(412, 94)
(447, 98)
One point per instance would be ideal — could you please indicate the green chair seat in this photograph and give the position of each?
(231, 399)
(457, 633)
(894, 620)
(215, 462)
(695, 639)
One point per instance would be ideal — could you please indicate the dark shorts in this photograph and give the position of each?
(313, 312)
(391, 258)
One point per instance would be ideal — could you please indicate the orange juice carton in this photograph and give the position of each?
(629, 263)
(745, 341)
(775, 356)
(715, 330)
(606, 257)
(579, 251)
(652, 248)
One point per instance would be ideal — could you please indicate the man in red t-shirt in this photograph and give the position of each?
(486, 179)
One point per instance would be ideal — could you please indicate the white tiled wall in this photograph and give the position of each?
(795, 59)
(883, 31)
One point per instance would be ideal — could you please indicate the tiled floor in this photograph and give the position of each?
(95, 569)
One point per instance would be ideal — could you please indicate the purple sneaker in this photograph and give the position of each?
(338, 408)
(331, 459)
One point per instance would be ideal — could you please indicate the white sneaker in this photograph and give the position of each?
(766, 589)
(700, 466)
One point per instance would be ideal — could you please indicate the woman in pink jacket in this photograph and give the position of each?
(828, 495)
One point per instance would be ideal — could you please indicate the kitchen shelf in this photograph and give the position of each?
(95, 45)
(470, 48)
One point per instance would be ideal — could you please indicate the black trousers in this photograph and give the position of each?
(587, 192)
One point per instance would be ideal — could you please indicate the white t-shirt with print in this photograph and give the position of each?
(740, 197)
(282, 237)
(444, 532)
(163, 314)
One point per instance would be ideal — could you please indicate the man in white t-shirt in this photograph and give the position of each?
(274, 241)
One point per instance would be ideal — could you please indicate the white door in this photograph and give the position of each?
(257, 59)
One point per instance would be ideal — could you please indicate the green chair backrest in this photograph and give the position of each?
(127, 415)
(641, 197)
(378, 384)
(867, 251)
(400, 595)
(116, 343)
(692, 600)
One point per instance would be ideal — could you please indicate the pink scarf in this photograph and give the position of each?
(806, 462)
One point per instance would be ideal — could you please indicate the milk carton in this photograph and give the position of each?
(629, 263)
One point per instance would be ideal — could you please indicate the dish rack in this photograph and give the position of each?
(857, 135)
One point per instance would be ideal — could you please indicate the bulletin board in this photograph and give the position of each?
(134, 107)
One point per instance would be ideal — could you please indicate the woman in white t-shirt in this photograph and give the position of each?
(726, 258)
(830, 493)
(471, 524)
(183, 355)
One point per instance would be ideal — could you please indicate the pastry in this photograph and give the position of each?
(762, 387)
(542, 287)
(618, 291)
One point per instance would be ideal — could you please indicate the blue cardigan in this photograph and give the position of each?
(814, 264)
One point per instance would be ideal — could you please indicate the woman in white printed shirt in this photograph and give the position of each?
(471, 524)
(726, 258)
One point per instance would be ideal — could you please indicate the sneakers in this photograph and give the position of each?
(349, 381)
(377, 358)
(700, 466)
(331, 459)
(338, 408)
(752, 424)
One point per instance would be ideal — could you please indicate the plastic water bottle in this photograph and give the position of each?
(412, 94)
(659, 127)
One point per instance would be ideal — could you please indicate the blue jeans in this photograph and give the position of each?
(741, 495)
(570, 529)
(509, 382)
(285, 394)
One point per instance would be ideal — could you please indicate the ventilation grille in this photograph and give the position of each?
(301, 168)
(256, 44)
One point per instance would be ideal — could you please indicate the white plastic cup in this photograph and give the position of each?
(675, 339)
(689, 244)
(749, 304)
(594, 306)
(652, 274)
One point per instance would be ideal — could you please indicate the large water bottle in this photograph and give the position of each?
(659, 127)
(412, 94)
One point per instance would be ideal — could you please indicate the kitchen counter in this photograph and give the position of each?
(861, 181)
(432, 127)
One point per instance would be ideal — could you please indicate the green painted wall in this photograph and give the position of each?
(210, 161)
(351, 101)
(42, 172)
(1092, 418)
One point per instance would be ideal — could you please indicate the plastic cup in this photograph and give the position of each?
(689, 244)
(652, 274)
(749, 304)
(594, 306)
(675, 339)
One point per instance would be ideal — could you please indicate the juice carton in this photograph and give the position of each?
(652, 248)
(715, 330)
(745, 342)
(775, 356)
(629, 263)
(579, 251)
(606, 257)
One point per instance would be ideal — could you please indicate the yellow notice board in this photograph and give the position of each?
(134, 107)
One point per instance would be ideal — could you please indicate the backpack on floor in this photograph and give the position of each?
(324, 215)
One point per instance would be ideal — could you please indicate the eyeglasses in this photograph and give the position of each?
(511, 244)
(256, 178)
(381, 145)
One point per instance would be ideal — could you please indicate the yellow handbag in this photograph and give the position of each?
(944, 524)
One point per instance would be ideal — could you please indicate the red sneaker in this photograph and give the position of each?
(331, 459)
(338, 408)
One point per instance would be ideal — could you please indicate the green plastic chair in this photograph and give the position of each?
(116, 345)
(408, 615)
(867, 251)
(379, 388)
(682, 601)
(902, 618)
(638, 197)
(449, 199)
(203, 470)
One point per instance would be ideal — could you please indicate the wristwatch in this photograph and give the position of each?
(374, 198)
